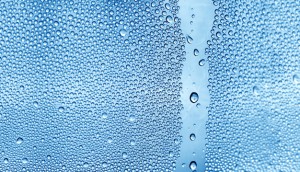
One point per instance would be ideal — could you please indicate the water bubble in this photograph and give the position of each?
(194, 97)
(19, 140)
(192, 137)
(196, 52)
(202, 62)
(193, 165)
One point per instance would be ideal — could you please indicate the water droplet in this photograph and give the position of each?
(255, 90)
(192, 137)
(194, 97)
(85, 165)
(6, 160)
(193, 165)
(169, 19)
(296, 79)
(104, 164)
(123, 32)
(131, 118)
(19, 140)
(132, 143)
(61, 109)
(189, 39)
(24, 160)
(198, 105)
(124, 155)
(196, 52)
(202, 62)
(171, 154)
(35, 103)
(183, 165)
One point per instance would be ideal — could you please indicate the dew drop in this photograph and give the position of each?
(193, 165)
(196, 52)
(85, 165)
(61, 109)
(202, 62)
(296, 79)
(19, 140)
(6, 160)
(35, 103)
(189, 39)
(24, 160)
(192, 137)
(123, 32)
(194, 97)
(255, 90)
(169, 19)
(104, 164)
(124, 155)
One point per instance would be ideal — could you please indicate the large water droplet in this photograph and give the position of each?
(193, 165)
(194, 97)
(192, 137)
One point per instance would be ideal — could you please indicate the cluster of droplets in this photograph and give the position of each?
(90, 85)
(254, 68)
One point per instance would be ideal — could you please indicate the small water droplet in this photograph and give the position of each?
(189, 39)
(85, 165)
(202, 62)
(296, 79)
(193, 165)
(169, 19)
(104, 164)
(24, 160)
(124, 155)
(255, 90)
(6, 160)
(192, 137)
(196, 52)
(109, 140)
(19, 140)
(35, 103)
(198, 105)
(194, 97)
